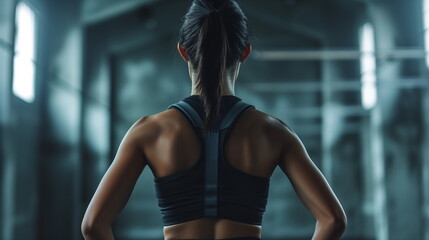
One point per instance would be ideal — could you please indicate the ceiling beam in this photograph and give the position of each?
(94, 11)
(274, 20)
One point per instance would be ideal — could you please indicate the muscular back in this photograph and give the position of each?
(254, 146)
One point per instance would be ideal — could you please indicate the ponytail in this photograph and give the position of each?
(214, 34)
(212, 52)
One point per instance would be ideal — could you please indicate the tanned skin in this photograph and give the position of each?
(257, 144)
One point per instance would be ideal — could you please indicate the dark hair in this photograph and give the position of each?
(214, 34)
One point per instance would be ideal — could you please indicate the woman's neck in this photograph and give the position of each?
(227, 88)
(228, 85)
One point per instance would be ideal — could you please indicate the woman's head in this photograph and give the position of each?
(214, 39)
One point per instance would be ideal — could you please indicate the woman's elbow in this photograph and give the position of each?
(96, 230)
(90, 229)
(342, 224)
(339, 223)
(87, 228)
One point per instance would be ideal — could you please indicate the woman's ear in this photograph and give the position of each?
(246, 52)
(182, 52)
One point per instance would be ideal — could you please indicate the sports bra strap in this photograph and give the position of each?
(211, 173)
(226, 122)
(232, 114)
(212, 142)
(190, 113)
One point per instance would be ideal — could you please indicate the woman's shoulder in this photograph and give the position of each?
(149, 127)
(262, 123)
(155, 124)
(271, 122)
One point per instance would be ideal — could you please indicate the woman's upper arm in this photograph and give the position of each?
(119, 180)
(308, 181)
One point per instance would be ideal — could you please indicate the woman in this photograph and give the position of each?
(212, 155)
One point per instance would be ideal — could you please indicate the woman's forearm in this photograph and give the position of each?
(331, 230)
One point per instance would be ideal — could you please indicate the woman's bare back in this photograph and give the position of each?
(257, 144)
(254, 146)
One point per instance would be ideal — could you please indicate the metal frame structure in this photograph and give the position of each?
(374, 121)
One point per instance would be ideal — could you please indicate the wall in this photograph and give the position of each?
(59, 165)
(19, 133)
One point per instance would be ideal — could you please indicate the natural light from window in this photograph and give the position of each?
(368, 67)
(23, 64)
(426, 28)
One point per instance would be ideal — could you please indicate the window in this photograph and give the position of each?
(426, 28)
(23, 63)
(368, 67)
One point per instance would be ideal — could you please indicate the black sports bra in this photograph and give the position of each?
(212, 187)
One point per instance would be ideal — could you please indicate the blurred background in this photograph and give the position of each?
(350, 77)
